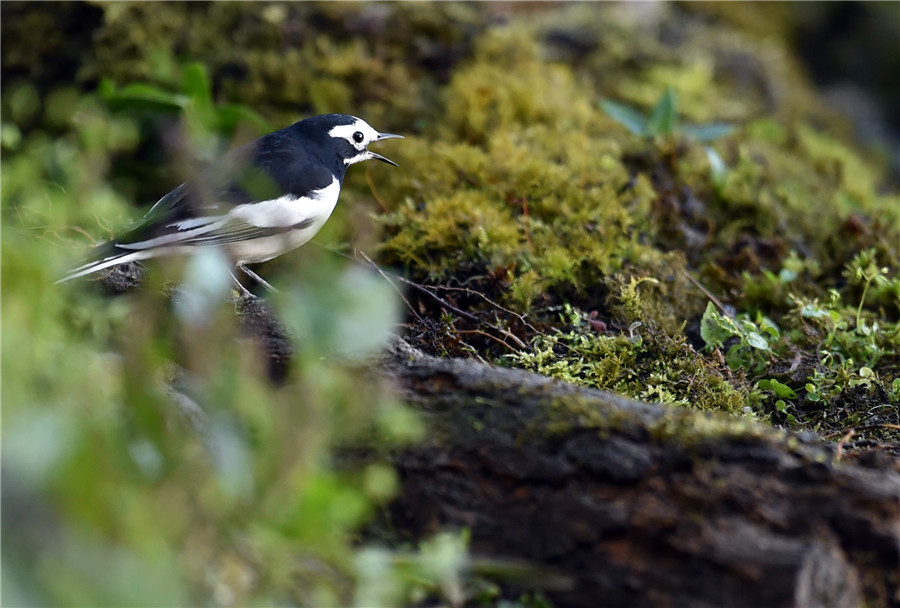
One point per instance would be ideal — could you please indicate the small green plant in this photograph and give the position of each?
(754, 338)
(863, 269)
(643, 363)
(194, 96)
(843, 349)
(663, 121)
(782, 392)
(192, 99)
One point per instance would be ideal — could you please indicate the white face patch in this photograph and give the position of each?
(359, 135)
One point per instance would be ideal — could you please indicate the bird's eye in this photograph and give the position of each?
(358, 137)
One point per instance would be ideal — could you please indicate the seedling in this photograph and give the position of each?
(663, 120)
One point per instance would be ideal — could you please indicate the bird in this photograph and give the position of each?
(257, 202)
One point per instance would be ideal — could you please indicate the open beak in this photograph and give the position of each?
(379, 156)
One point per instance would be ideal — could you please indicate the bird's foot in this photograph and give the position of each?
(256, 278)
(242, 291)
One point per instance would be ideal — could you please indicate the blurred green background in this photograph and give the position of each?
(149, 460)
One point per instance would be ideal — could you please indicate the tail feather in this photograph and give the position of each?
(106, 256)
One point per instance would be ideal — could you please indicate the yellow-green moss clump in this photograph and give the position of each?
(523, 168)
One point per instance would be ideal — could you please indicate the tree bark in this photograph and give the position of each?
(641, 505)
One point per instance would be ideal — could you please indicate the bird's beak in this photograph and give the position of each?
(379, 156)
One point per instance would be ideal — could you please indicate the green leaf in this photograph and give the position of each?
(813, 311)
(780, 389)
(195, 84)
(664, 116)
(230, 115)
(768, 325)
(756, 341)
(707, 132)
(10, 136)
(717, 168)
(786, 275)
(715, 328)
(141, 96)
(737, 357)
(626, 116)
(351, 315)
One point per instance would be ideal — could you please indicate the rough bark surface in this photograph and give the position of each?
(642, 505)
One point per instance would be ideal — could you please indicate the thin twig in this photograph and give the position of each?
(472, 292)
(486, 335)
(463, 313)
(474, 351)
(441, 300)
(375, 192)
(708, 293)
(388, 279)
(84, 232)
(864, 427)
(843, 442)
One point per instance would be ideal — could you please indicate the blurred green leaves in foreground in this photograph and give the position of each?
(147, 459)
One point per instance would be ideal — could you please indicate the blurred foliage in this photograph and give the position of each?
(145, 457)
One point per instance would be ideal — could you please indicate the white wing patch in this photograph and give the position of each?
(193, 223)
(253, 232)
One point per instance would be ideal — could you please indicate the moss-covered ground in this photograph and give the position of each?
(756, 274)
(597, 248)
(612, 246)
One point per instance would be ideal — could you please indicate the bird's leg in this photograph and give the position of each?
(257, 278)
(244, 291)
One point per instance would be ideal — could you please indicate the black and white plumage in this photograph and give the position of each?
(261, 200)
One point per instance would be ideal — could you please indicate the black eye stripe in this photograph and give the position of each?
(358, 137)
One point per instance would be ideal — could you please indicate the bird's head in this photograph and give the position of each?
(350, 138)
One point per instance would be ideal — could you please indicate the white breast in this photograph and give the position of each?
(306, 214)
(290, 210)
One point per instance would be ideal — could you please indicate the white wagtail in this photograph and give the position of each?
(259, 201)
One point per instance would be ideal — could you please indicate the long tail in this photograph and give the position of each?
(104, 256)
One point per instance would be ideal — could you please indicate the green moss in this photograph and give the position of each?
(644, 364)
(511, 167)
(517, 193)
(695, 430)
(524, 172)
